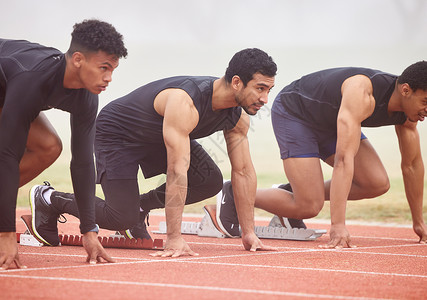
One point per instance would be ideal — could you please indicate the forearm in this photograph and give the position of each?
(84, 190)
(339, 190)
(413, 178)
(244, 189)
(176, 193)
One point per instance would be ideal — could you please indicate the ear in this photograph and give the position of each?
(236, 82)
(78, 58)
(405, 89)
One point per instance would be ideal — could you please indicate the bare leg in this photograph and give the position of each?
(43, 147)
(370, 177)
(306, 178)
(305, 175)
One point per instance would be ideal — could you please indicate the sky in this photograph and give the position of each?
(198, 37)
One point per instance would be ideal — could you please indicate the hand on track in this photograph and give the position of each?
(252, 243)
(94, 249)
(175, 247)
(9, 251)
(339, 238)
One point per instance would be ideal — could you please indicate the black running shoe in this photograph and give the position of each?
(226, 214)
(294, 223)
(139, 231)
(44, 216)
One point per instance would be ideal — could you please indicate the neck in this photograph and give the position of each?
(223, 95)
(395, 103)
(71, 79)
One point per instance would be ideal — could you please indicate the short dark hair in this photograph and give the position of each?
(247, 62)
(415, 76)
(95, 35)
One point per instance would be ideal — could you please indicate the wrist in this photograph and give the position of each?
(95, 229)
(8, 234)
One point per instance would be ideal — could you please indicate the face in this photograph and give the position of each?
(96, 70)
(415, 104)
(253, 97)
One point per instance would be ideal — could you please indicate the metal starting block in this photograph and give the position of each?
(116, 240)
(275, 230)
(28, 239)
(283, 233)
(204, 228)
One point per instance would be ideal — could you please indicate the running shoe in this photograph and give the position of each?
(139, 231)
(226, 214)
(288, 222)
(43, 216)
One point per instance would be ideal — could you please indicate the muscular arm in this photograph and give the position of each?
(180, 118)
(413, 174)
(357, 104)
(243, 175)
(244, 181)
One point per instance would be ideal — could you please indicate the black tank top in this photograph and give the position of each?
(134, 119)
(316, 98)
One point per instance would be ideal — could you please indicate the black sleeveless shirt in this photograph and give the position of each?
(316, 98)
(134, 121)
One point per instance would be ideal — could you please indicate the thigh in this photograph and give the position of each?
(121, 196)
(369, 171)
(202, 169)
(306, 178)
(42, 134)
(204, 176)
(368, 168)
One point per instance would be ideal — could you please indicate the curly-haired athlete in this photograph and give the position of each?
(34, 78)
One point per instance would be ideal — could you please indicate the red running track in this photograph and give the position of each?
(387, 264)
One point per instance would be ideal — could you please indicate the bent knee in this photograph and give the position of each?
(51, 149)
(309, 209)
(376, 188)
(382, 188)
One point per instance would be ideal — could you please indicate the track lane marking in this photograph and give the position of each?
(193, 287)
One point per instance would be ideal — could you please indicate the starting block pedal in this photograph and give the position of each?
(114, 241)
(205, 228)
(28, 239)
(275, 230)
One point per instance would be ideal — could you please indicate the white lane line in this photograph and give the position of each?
(309, 269)
(382, 238)
(192, 287)
(197, 260)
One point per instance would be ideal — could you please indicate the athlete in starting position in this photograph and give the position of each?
(155, 127)
(35, 78)
(320, 116)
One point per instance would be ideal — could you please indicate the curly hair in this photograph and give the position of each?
(415, 76)
(94, 35)
(247, 62)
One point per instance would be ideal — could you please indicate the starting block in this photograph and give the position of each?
(116, 240)
(274, 230)
(28, 239)
(205, 228)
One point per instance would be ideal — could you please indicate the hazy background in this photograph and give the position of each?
(198, 37)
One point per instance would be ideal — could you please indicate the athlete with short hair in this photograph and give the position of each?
(320, 116)
(155, 128)
(34, 78)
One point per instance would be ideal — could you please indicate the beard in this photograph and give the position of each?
(246, 108)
